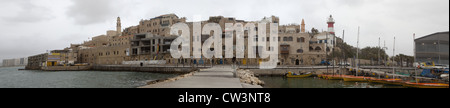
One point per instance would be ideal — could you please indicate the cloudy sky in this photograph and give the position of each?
(29, 27)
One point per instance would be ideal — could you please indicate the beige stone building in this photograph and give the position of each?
(159, 25)
(297, 47)
(110, 49)
(151, 39)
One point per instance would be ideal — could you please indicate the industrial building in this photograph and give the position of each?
(433, 48)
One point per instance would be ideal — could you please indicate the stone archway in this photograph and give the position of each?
(318, 49)
(297, 62)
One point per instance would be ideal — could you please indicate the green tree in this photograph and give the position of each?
(401, 59)
(314, 32)
(371, 53)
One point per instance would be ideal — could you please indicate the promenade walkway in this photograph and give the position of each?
(221, 76)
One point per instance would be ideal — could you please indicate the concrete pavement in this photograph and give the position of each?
(215, 77)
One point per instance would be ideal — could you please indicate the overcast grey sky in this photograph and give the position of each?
(29, 27)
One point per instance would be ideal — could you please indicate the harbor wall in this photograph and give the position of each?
(281, 72)
(66, 68)
(156, 69)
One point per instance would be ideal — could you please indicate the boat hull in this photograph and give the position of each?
(426, 85)
(355, 79)
(387, 81)
(299, 76)
(336, 77)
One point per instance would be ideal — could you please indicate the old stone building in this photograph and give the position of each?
(151, 40)
(110, 49)
(297, 47)
(159, 25)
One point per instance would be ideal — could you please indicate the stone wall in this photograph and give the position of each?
(156, 69)
(66, 68)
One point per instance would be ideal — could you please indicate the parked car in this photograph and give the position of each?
(344, 64)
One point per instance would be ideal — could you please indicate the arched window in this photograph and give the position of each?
(300, 51)
(318, 49)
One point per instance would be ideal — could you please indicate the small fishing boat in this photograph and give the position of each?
(387, 81)
(395, 82)
(425, 85)
(356, 79)
(291, 75)
(336, 77)
(324, 76)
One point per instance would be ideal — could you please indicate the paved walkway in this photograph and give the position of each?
(216, 77)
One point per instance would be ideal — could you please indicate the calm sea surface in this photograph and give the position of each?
(11, 77)
(280, 82)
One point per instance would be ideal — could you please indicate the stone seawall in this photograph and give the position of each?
(66, 68)
(156, 69)
(281, 72)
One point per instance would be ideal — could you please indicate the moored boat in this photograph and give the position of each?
(387, 81)
(290, 75)
(336, 77)
(356, 79)
(324, 76)
(426, 85)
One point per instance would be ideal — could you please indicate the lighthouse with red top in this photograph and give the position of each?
(331, 25)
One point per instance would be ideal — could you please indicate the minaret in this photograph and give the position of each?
(303, 26)
(119, 26)
(330, 23)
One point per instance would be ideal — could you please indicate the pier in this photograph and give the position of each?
(222, 76)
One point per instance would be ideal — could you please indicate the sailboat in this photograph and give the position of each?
(356, 78)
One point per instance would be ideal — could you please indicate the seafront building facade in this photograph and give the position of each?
(151, 39)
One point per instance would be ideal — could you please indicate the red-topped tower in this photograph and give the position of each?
(331, 24)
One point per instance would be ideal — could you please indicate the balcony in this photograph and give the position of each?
(284, 49)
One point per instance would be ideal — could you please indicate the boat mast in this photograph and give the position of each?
(415, 68)
(326, 51)
(379, 48)
(393, 58)
(357, 54)
(343, 53)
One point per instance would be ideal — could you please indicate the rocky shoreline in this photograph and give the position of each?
(248, 77)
